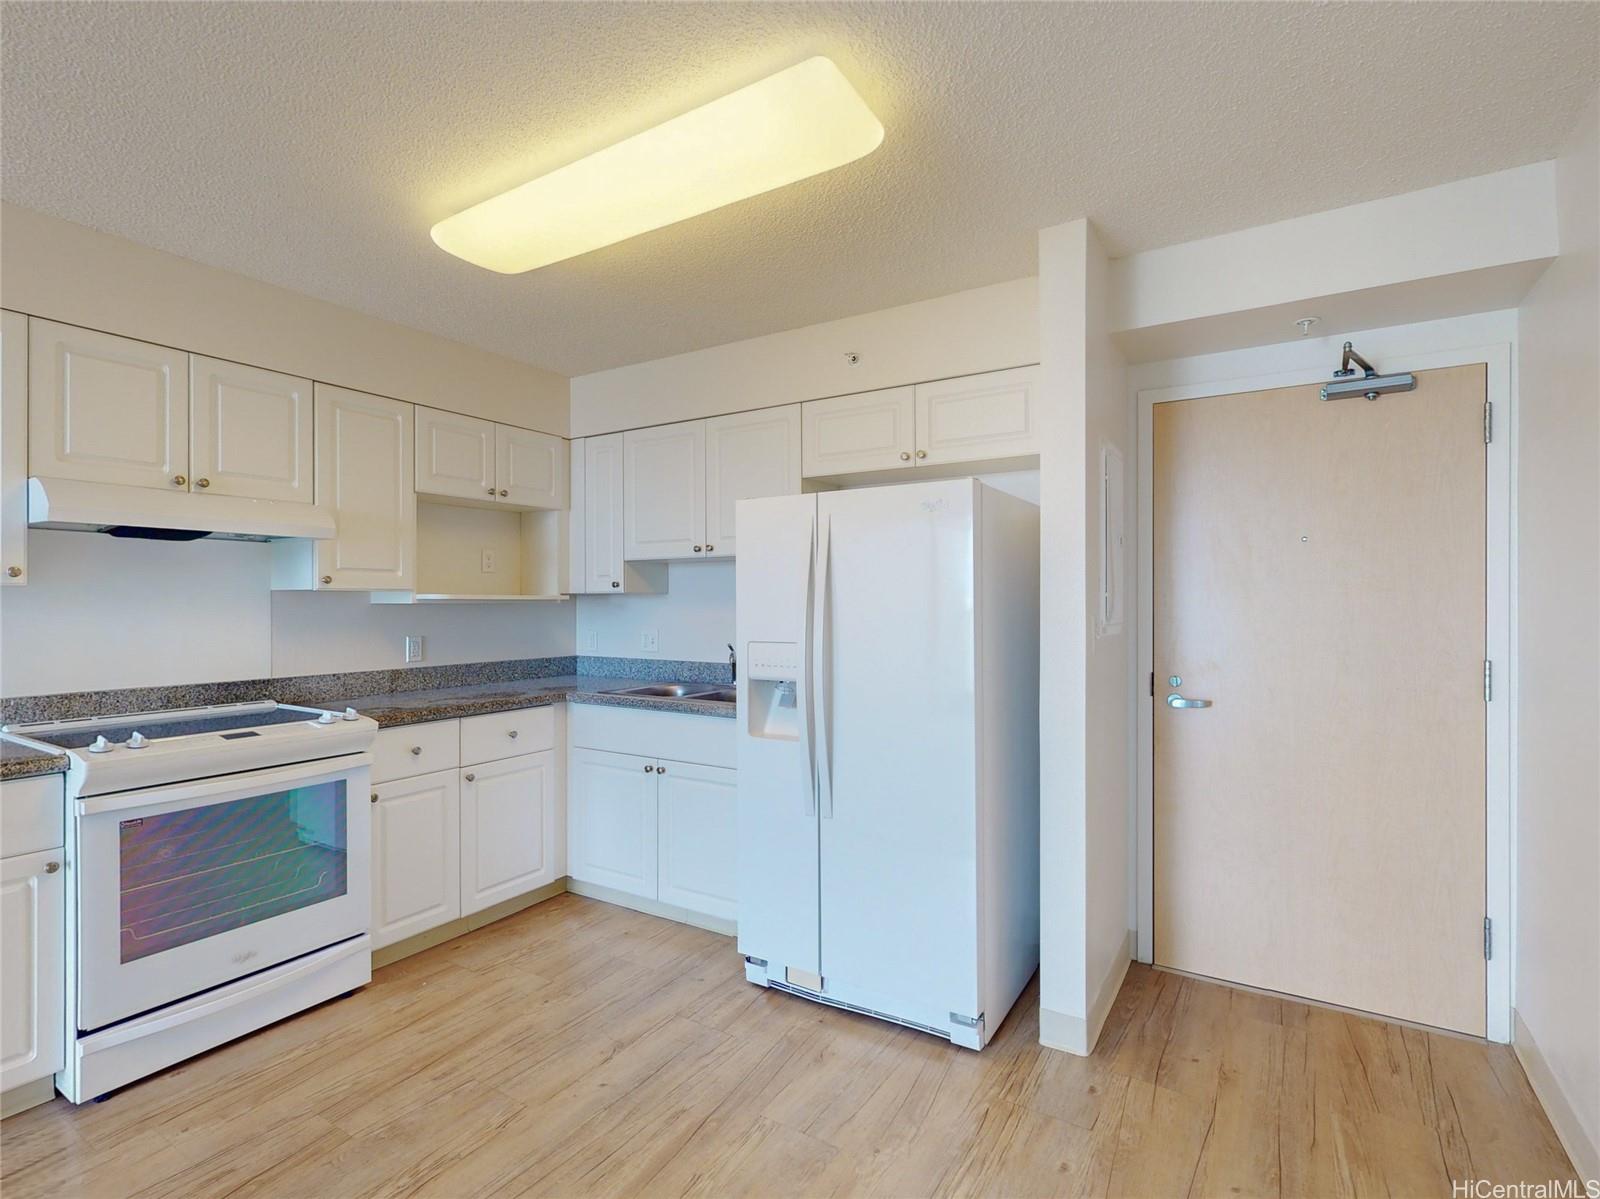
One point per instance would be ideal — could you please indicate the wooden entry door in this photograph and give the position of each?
(1319, 577)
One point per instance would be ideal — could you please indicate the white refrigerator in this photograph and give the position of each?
(889, 751)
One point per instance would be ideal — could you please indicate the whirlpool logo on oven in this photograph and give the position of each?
(240, 959)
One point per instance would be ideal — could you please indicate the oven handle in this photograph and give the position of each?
(205, 792)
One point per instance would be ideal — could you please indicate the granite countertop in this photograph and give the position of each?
(18, 761)
(446, 703)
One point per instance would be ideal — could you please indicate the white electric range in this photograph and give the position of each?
(218, 879)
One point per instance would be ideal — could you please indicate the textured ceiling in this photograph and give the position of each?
(313, 145)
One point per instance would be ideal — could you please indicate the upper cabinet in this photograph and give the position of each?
(994, 415)
(106, 409)
(665, 490)
(748, 455)
(250, 432)
(684, 480)
(364, 473)
(530, 468)
(976, 418)
(596, 565)
(872, 431)
(13, 449)
(463, 457)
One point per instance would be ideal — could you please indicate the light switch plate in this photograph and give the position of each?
(413, 649)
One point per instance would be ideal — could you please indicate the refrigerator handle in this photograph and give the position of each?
(821, 675)
(803, 684)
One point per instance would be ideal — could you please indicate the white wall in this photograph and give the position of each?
(987, 328)
(67, 272)
(693, 621)
(1084, 693)
(103, 612)
(1558, 743)
(1472, 245)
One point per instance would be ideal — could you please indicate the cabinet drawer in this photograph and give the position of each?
(507, 734)
(676, 736)
(415, 749)
(32, 814)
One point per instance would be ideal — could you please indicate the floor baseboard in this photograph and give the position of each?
(1580, 1147)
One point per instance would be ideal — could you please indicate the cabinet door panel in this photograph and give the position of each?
(993, 415)
(415, 855)
(577, 519)
(13, 449)
(32, 968)
(455, 455)
(698, 855)
(531, 468)
(849, 434)
(748, 455)
(365, 474)
(665, 490)
(106, 409)
(602, 515)
(250, 432)
(509, 829)
(613, 821)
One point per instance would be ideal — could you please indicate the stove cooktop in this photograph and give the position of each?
(156, 726)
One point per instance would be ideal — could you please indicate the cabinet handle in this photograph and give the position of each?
(503, 491)
(202, 482)
(374, 797)
(51, 867)
(491, 491)
(469, 776)
(179, 480)
(709, 548)
(512, 733)
(326, 579)
(905, 457)
(922, 453)
(14, 572)
(661, 770)
(616, 584)
(648, 769)
(697, 549)
(416, 751)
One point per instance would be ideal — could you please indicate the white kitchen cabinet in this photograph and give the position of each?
(987, 416)
(611, 806)
(697, 821)
(32, 930)
(455, 455)
(577, 580)
(665, 473)
(748, 455)
(597, 526)
(510, 829)
(106, 409)
(365, 475)
(873, 431)
(530, 468)
(250, 432)
(13, 449)
(416, 856)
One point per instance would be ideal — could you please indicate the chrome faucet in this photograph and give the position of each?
(733, 664)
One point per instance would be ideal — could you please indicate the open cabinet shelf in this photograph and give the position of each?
(434, 597)
(526, 552)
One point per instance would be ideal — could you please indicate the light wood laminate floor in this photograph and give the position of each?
(582, 1049)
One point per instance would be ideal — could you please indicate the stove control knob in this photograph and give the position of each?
(351, 714)
(326, 718)
(101, 745)
(138, 741)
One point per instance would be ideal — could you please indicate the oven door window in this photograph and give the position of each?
(193, 874)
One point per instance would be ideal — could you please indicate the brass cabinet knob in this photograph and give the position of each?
(14, 572)
(326, 579)
(374, 797)
(905, 457)
(491, 491)
(180, 480)
(51, 867)
(469, 776)
(922, 453)
(503, 491)
(202, 482)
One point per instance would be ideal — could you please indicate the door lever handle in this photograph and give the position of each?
(1177, 701)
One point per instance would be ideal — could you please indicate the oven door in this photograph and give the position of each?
(187, 886)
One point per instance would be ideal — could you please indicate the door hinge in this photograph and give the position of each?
(1152, 684)
(966, 1021)
(1488, 938)
(1488, 681)
(1488, 421)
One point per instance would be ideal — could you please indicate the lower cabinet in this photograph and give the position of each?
(33, 931)
(416, 877)
(509, 836)
(655, 828)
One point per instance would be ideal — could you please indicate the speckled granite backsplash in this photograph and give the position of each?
(313, 689)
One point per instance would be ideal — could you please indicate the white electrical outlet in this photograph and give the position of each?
(413, 649)
(488, 562)
(647, 641)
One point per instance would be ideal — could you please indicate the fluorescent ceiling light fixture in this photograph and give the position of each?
(789, 126)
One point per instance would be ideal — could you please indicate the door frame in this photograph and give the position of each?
(1499, 750)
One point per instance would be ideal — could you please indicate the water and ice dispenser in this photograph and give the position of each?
(772, 673)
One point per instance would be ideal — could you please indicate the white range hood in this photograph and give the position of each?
(111, 508)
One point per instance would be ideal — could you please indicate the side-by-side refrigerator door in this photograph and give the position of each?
(776, 581)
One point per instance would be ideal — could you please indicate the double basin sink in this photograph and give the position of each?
(713, 692)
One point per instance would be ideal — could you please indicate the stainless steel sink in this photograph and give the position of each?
(722, 695)
(663, 690)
